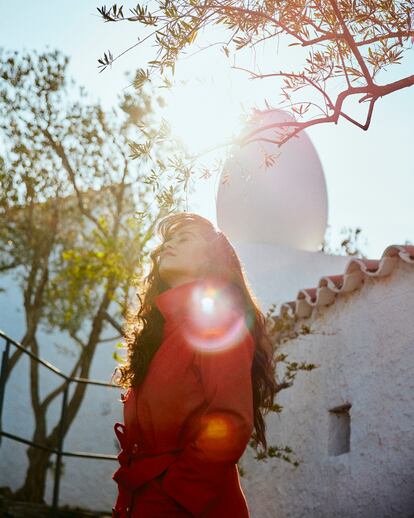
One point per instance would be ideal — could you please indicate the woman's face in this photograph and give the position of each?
(183, 256)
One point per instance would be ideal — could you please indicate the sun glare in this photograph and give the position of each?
(207, 304)
(202, 114)
(213, 325)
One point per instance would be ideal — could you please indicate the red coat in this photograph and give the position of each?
(192, 417)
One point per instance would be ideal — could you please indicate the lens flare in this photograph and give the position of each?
(219, 437)
(216, 429)
(207, 304)
(216, 433)
(213, 323)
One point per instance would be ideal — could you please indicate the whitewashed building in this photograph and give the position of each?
(350, 421)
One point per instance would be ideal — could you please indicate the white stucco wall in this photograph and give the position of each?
(364, 346)
(276, 272)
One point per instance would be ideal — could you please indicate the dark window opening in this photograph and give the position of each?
(339, 430)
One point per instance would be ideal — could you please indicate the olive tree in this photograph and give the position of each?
(345, 44)
(77, 215)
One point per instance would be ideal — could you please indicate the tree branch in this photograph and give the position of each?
(52, 395)
(372, 92)
(291, 75)
(350, 40)
(368, 120)
(113, 323)
(381, 37)
(9, 266)
(57, 147)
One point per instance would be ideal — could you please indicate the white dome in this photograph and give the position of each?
(283, 203)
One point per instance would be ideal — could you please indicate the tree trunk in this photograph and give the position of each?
(34, 485)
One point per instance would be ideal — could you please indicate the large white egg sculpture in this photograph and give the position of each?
(271, 194)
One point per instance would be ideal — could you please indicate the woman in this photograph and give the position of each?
(199, 376)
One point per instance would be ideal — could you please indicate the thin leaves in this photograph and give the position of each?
(105, 61)
(349, 42)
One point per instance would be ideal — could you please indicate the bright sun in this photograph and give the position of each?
(202, 114)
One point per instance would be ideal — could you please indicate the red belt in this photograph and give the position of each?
(133, 452)
(139, 465)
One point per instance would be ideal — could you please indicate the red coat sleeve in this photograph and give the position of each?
(225, 427)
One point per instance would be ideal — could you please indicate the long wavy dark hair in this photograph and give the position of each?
(144, 328)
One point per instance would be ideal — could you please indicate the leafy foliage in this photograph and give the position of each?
(349, 244)
(348, 43)
(76, 219)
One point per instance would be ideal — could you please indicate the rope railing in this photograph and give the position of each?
(58, 451)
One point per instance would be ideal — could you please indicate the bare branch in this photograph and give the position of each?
(107, 340)
(382, 37)
(368, 120)
(291, 75)
(113, 323)
(57, 147)
(372, 92)
(52, 395)
(10, 266)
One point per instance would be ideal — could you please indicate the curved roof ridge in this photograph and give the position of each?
(331, 286)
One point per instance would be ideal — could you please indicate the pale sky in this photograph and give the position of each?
(369, 175)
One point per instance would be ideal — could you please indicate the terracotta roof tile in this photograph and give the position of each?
(331, 286)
